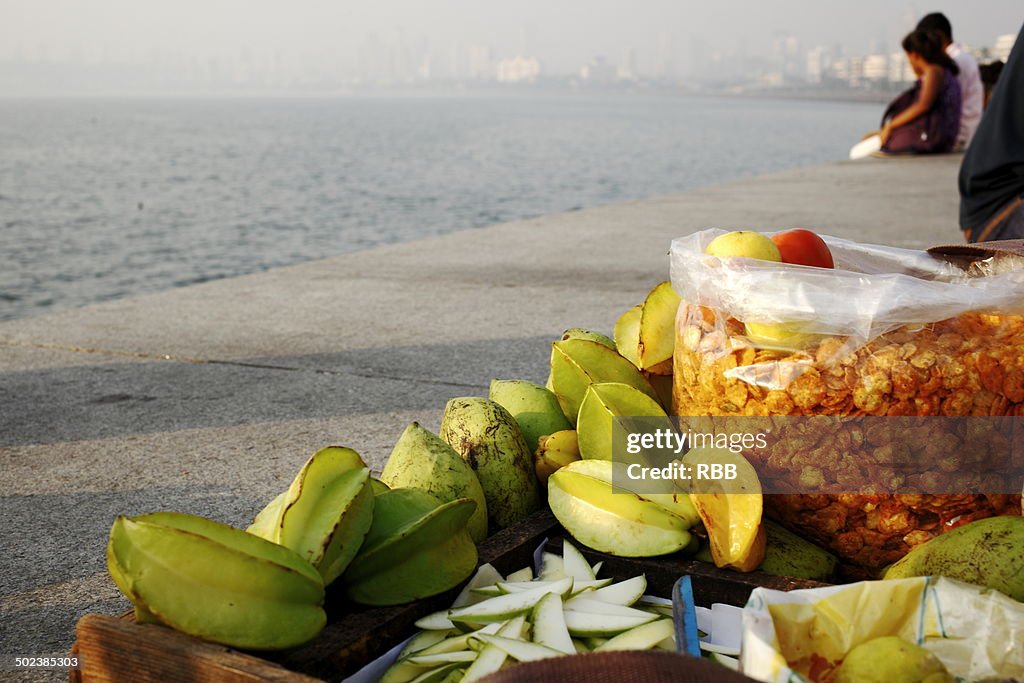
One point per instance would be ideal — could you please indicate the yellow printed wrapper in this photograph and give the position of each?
(802, 636)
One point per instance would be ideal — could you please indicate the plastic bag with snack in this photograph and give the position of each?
(886, 332)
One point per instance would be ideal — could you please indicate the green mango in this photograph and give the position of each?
(324, 514)
(627, 334)
(786, 554)
(657, 329)
(590, 335)
(534, 407)
(421, 460)
(416, 547)
(602, 403)
(986, 552)
(615, 522)
(216, 582)
(578, 363)
(490, 440)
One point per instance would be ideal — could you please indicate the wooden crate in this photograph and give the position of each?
(118, 649)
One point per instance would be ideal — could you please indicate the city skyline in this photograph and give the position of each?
(116, 45)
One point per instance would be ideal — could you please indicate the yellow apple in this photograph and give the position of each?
(744, 243)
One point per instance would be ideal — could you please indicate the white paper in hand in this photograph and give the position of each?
(866, 147)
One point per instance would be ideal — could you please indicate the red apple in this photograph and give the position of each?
(804, 248)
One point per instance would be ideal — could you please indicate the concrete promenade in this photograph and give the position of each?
(208, 399)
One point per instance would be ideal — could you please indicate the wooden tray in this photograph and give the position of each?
(118, 649)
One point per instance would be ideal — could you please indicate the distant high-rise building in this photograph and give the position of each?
(876, 68)
(374, 63)
(817, 62)
(666, 67)
(627, 70)
(786, 54)
(424, 70)
(455, 62)
(1004, 44)
(899, 69)
(598, 72)
(850, 70)
(481, 62)
(402, 67)
(698, 56)
(518, 69)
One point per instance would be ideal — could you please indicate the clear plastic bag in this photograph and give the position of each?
(888, 332)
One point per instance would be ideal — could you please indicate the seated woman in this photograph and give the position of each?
(926, 118)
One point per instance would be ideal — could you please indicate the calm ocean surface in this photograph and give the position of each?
(101, 199)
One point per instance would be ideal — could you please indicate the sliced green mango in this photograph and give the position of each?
(627, 334)
(618, 523)
(590, 335)
(605, 402)
(422, 460)
(578, 363)
(217, 583)
(416, 547)
(657, 332)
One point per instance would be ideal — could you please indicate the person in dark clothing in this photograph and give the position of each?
(989, 77)
(992, 173)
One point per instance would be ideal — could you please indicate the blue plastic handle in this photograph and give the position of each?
(684, 616)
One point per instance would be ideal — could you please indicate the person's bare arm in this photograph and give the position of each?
(931, 82)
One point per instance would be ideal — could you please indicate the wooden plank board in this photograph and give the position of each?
(115, 649)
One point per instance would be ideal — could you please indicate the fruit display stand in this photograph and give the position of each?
(118, 649)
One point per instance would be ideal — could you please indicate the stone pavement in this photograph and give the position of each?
(208, 399)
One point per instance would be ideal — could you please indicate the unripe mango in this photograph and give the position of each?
(583, 333)
(417, 546)
(987, 552)
(534, 407)
(657, 331)
(578, 363)
(421, 460)
(490, 440)
(602, 404)
(787, 554)
(620, 523)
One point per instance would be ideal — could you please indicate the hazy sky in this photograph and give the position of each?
(564, 33)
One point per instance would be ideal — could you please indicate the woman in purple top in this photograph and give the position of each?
(927, 118)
